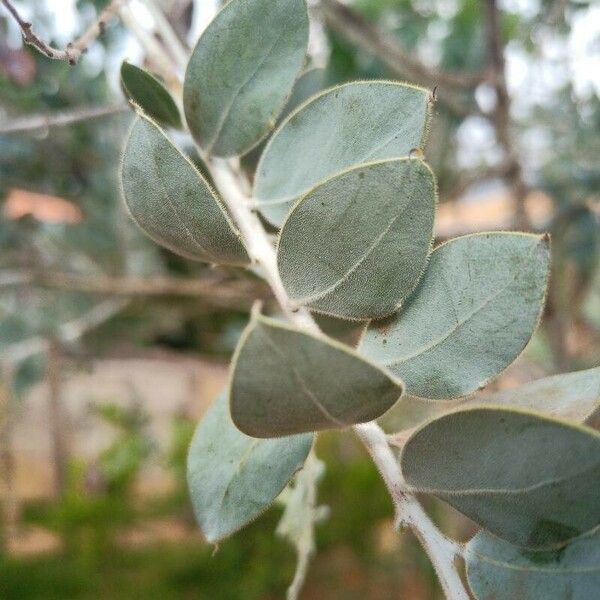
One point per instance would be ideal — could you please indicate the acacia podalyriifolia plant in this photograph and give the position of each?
(343, 179)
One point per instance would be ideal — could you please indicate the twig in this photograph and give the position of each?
(442, 551)
(59, 119)
(369, 37)
(67, 332)
(73, 51)
(234, 294)
(500, 116)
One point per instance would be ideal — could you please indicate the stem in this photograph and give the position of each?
(441, 551)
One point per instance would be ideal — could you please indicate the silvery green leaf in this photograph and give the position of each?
(307, 85)
(150, 95)
(529, 479)
(233, 478)
(347, 332)
(472, 314)
(242, 71)
(285, 381)
(497, 570)
(171, 201)
(571, 396)
(356, 245)
(340, 128)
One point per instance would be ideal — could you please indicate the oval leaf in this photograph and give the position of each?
(356, 245)
(242, 72)
(286, 381)
(233, 478)
(529, 479)
(497, 570)
(571, 396)
(473, 313)
(172, 203)
(144, 90)
(343, 127)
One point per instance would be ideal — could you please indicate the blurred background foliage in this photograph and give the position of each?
(66, 245)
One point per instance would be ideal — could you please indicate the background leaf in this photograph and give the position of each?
(233, 478)
(150, 95)
(360, 121)
(356, 245)
(282, 383)
(473, 313)
(497, 570)
(172, 203)
(529, 479)
(242, 71)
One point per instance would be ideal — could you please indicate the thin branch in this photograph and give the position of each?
(59, 119)
(73, 51)
(67, 332)
(354, 27)
(441, 550)
(233, 294)
(500, 116)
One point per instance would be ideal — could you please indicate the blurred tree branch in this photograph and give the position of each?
(500, 116)
(218, 292)
(73, 51)
(358, 30)
(58, 119)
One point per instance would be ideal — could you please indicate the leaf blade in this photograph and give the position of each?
(233, 478)
(247, 71)
(529, 479)
(356, 120)
(150, 95)
(356, 245)
(473, 313)
(172, 203)
(497, 570)
(281, 383)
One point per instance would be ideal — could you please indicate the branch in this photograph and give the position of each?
(67, 332)
(500, 117)
(441, 550)
(59, 119)
(234, 294)
(369, 37)
(73, 51)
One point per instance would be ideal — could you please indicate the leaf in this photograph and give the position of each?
(242, 71)
(150, 95)
(340, 128)
(500, 571)
(233, 478)
(529, 479)
(172, 203)
(473, 313)
(307, 85)
(286, 381)
(571, 396)
(347, 332)
(356, 245)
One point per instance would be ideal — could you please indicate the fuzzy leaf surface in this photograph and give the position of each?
(472, 314)
(172, 203)
(233, 478)
(285, 381)
(241, 73)
(150, 95)
(497, 570)
(529, 479)
(356, 245)
(340, 128)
